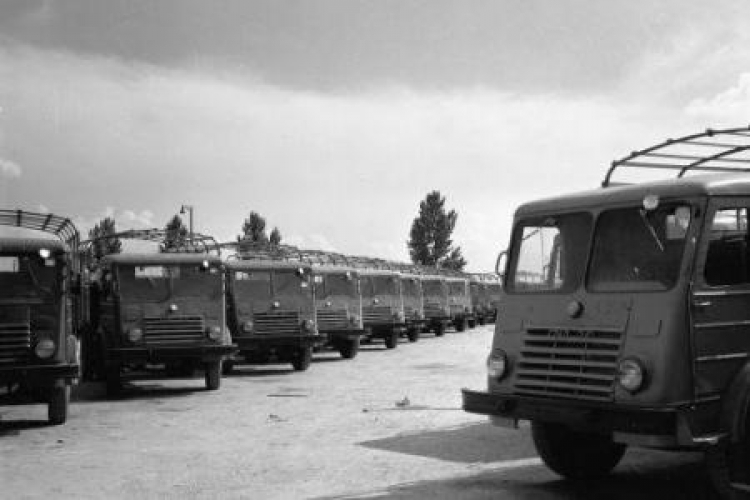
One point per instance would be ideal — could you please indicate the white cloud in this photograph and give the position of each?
(309, 242)
(9, 169)
(730, 106)
(143, 219)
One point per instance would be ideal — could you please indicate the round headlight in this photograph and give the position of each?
(630, 374)
(44, 253)
(308, 325)
(399, 315)
(45, 348)
(497, 364)
(354, 319)
(135, 334)
(214, 333)
(247, 326)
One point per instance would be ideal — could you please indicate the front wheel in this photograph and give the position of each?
(575, 455)
(302, 359)
(728, 466)
(349, 348)
(413, 334)
(213, 375)
(391, 340)
(440, 330)
(57, 407)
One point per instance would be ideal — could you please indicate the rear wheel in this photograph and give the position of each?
(575, 455)
(57, 407)
(461, 324)
(302, 359)
(113, 379)
(348, 348)
(728, 465)
(213, 375)
(391, 340)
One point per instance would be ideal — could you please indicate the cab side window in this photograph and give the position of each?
(727, 257)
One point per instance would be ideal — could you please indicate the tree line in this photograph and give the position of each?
(429, 243)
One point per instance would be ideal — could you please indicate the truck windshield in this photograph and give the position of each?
(384, 285)
(638, 250)
(550, 253)
(339, 284)
(290, 283)
(410, 287)
(26, 277)
(433, 288)
(457, 288)
(252, 284)
(162, 282)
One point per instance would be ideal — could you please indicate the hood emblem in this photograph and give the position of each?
(173, 308)
(575, 309)
(276, 304)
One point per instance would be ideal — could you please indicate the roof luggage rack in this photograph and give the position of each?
(61, 227)
(710, 151)
(188, 243)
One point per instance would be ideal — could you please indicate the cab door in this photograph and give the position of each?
(721, 297)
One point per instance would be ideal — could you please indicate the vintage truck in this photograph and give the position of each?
(437, 310)
(38, 294)
(160, 308)
(626, 316)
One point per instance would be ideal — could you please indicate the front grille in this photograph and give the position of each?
(15, 342)
(411, 311)
(377, 314)
(173, 330)
(568, 363)
(433, 310)
(277, 323)
(333, 319)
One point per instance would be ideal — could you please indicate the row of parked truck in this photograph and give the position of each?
(200, 305)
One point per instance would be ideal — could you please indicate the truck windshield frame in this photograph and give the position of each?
(635, 250)
(161, 282)
(549, 253)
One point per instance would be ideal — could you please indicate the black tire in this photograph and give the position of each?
(391, 340)
(302, 359)
(472, 323)
(575, 455)
(461, 324)
(439, 330)
(348, 348)
(213, 375)
(113, 380)
(728, 465)
(57, 406)
(413, 334)
(227, 367)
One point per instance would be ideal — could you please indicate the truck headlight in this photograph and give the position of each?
(399, 315)
(214, 333)
(630, 374)
(354, 319)
(308, 325)
(45, 348)
(135, 334)
(247, 326)
(497, 364)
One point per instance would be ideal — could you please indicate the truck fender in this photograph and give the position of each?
(735, 405)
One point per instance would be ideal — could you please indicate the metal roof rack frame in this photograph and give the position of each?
(62, 227)
(189, 243)
(721, 151)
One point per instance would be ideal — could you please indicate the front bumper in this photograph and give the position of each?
(273, 342)
(39, 374)
(157, 354)
(666, 426)
(342, 334)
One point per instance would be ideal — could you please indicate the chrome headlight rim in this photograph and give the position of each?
(247, 326)
(497, 364)
(214, 333)
(631, 374)
(45, 348)
(135, 334)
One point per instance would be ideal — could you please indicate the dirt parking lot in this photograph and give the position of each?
(386, 424)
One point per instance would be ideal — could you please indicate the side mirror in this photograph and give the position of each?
(502, 261)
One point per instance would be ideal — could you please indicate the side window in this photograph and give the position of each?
(727, 257)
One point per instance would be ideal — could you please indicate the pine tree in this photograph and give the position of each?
(104, 246)
(254, 229)
(275, 237)
(176, 234)
(430, 241)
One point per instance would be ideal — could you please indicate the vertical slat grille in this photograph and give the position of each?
(433, 310)
(277, 323)
(568, 363)
(174, 330)
(377, 314)
(332, 319)
(15, 342)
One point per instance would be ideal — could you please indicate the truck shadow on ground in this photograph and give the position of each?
(95, 392)
(14, 427)
(671, 478)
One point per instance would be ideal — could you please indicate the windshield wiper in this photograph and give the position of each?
(651, 229)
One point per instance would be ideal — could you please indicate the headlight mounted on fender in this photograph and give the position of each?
(631, 374)
(135, 334)
(497, 364)
(45, 348)
(247, 326)
(214, 333)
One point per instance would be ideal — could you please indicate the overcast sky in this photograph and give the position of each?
(333, 119)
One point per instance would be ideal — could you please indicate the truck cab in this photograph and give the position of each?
(38, 336)
(413, 300)
(437, 310)
(625, 318)
(484, 288)
(272, 312)
(338, 307)
(382, 308)
(459, 302)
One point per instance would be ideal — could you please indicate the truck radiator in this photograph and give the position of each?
(174, 330)
(15, 342)
(377, 314)
(568, 363)
(277, 323)
(332, 319)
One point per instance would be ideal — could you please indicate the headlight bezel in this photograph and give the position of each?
(45, 348)
(631, 374)
(135, 334)
(214, 333)
(497, 364)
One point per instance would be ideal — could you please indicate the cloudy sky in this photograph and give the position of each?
(334, 118)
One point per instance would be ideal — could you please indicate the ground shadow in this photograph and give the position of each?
(14, 427)
(663, 476)
(94, 392)
(475, 443)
